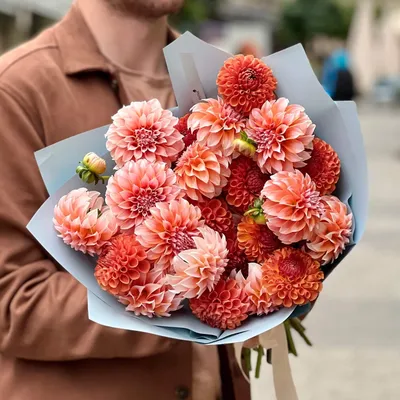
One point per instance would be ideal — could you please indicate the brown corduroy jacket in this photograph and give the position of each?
(51, 88)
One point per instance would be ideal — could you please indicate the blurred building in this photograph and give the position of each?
(374, 42)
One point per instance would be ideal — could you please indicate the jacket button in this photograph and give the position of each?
(182, 393)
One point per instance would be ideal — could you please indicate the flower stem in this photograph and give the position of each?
(299, 328)
(291, 345)
(247, 360)
(260, 353)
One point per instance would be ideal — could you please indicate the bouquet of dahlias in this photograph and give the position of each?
(216, 218)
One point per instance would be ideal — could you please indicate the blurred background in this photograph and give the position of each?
(354, 48)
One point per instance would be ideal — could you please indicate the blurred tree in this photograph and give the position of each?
(193, 13)
(302, 20)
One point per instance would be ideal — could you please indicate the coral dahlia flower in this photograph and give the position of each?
(284, 135)
(137, 187)
(202, 173)
(199, 269)
(245, 82)
(332, 232)
(217, 125)
(245, 183)
(83, 222)
(292, 206)
(226, 307)
(323, 167)
(257, 241)
(168, 230)
(292, 277)
(217, 215)
(151, 297)
(144, 130)
(121, 264)
(260, 300)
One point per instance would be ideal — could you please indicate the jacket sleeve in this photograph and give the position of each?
(43, 311)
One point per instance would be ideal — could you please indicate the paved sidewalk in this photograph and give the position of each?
(355, 326)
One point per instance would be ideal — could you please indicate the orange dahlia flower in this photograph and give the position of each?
(83, 222)
(332, 233)
(260, 300)
(291, 277)
(245, 183)
(121, 264)
(323, 167)
(217, 215)
(257, 241)
(144, 130)
(284, 135)
(168, 230)
(217, 125)
(292, 206)
(202, 173)
(199, 269)
(151, 297)
(226, 307)
(137, 187)
(245, 82)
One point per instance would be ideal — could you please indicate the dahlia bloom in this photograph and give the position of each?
(284, 135)
(237, 260)
(169, 230)
(83, 222)
(182, 126)
(332, 232)
(260, 300)
(144, 130)
(245, 82)
(291, 205)
(323, 167)
(202, 173)
(257, 241)
(137, 187)
(226, 307)
(245, 183)
(217, 125)
(291, 277)
(121, 264)
(199, 269)
(150, 296)
(217, 215)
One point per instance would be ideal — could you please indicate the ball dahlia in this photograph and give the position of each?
(237, 260)
(202, 173)
(257, 241)
(226, 307)
(292, 277)
(291, 205)
(323, 167)
(217, 125)
(182, 126)
(151, 297)
(199, 269)
(284, 135)
(144, 130)
(137, 187)
(245, 183)
(217, 215)
(245, 82)
(260, 300)
(332, 232)
(168, 230)
(121, 264)
(83, 222)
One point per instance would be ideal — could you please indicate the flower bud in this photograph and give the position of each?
(244, 147)
(94, 163)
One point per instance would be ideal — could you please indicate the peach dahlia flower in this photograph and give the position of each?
(83, 222)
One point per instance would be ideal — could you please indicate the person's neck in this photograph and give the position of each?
(133, 43)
